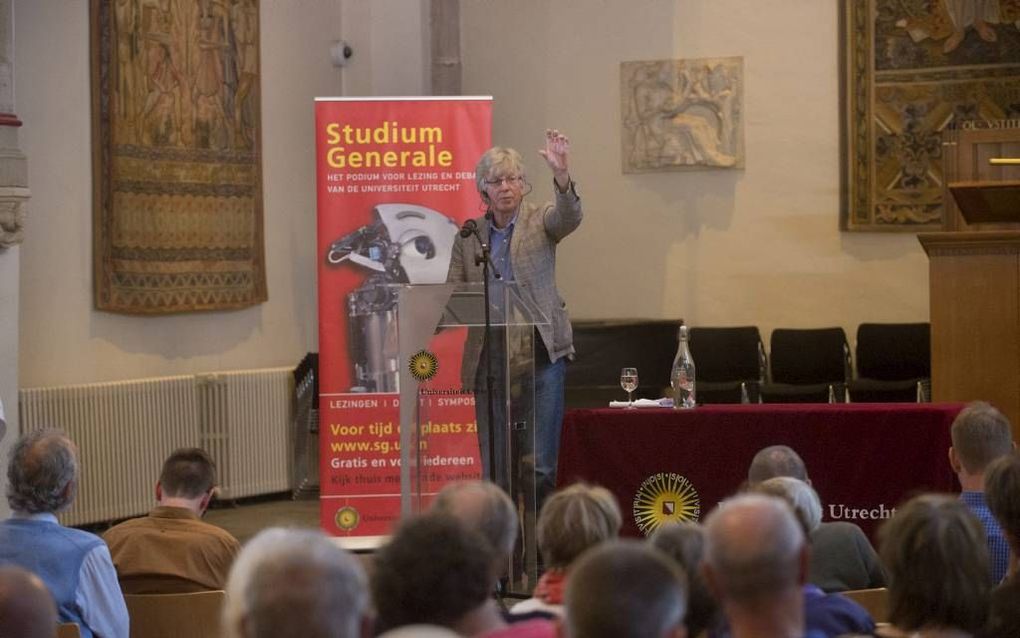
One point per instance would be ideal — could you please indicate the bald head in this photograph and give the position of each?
(754, 548)
(484, 507)
(776, 460)
(26, 607)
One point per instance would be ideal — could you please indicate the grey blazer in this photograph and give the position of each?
(537, 231)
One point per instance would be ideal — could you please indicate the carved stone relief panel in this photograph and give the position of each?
(12, 216)
(682, 114)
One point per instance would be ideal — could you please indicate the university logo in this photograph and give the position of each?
(347, 518)
(424, 365)
(663, 498)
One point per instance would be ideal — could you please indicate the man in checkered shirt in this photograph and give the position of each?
(982, 434)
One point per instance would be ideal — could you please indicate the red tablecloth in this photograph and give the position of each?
(863, 459)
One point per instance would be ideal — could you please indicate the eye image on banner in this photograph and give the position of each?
(395, 180)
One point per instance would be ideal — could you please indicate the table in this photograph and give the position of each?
(662, 464)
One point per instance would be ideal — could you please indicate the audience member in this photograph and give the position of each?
(685, 544)
(935, 553)
(26, 607)
(1002, 493)
(755, 563)
(572, 519)
(842, 557)
(436, 571)
(980, 435)
(42, 478)
(624, 589)
(776, 460)
(828, 614)
(291, 583)
(171, 550)
(485, 507)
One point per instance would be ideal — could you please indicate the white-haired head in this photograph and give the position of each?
(291, 582)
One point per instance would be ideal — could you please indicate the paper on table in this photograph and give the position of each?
(644, 403)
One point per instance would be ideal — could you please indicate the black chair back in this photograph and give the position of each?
(809, 356)
(604, 347)
(728, 354)
(894, 351)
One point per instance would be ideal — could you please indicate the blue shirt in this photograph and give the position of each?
(998, 548)
(502, 266)
(90, 594)
(499, 249)
(825, 616)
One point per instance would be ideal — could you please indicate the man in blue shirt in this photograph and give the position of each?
(42, 479)
(981, 434)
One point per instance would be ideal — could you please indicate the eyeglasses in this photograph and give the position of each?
(513, 180)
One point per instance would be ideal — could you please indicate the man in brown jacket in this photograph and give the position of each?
(171, 550)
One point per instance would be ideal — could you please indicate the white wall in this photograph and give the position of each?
(760, 245)
(754, 246)
(63, 340)
(389, 39)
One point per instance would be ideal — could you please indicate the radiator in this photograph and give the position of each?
(125, 430)
(245, 420)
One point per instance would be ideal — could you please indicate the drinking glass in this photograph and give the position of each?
(629, 382)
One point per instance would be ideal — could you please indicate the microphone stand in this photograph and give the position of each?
(484, 260)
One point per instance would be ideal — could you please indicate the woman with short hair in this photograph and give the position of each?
(572, 520)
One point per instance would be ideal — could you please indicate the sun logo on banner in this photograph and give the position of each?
(424, 365)
(347, 518)
(663, 498)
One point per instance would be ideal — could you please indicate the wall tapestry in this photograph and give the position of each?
(177, 210)
(912, 68)
(682, 114)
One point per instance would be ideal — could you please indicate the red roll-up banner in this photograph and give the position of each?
(395, 180)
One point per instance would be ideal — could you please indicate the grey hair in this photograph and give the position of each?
(575, 518)
(482, 506)
(801, 497)
(498, 160)
(42, 464)
(294, 582)
(753, 544)
(776, 460)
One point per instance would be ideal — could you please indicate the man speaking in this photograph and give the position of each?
(522, 240)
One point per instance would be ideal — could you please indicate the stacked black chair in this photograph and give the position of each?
(729, 363)
(893, 363)
(807, 366)
(604, 347)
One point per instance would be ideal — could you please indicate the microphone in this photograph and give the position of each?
(469, 228)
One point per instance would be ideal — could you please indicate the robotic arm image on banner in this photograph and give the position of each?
(405, 244)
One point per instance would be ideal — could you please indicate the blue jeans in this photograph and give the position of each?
(548, 415)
